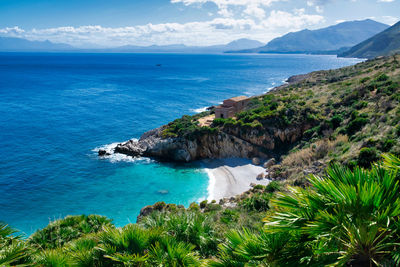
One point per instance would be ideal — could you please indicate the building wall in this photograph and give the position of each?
(229, 108)
(222, 112)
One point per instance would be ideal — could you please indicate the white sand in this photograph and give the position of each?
(231, 177)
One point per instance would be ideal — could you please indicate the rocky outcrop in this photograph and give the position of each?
(219, 145)
(227, 142)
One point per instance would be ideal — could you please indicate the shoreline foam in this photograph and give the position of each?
(117, 157)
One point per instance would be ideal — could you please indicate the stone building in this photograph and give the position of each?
(231, 106)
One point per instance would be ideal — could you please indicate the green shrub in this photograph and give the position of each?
(273, 106)
(273, 187)
(228, 216)
(212, 207)
(194, 206)
(354, 114)
(218, 122)
(360, 104)
(351, 164)
(356, 125)
(335, 121)
(367, 156)
(258, 186)
(383, 77)
(203, 204)
(312, 132)
(59, 232)
(346, 218)
(388, 144)
(365, 79)
(257, 202)
(159, 205)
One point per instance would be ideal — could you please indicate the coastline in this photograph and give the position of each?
(231, 177)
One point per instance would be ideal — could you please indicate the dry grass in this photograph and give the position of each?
(316, 151)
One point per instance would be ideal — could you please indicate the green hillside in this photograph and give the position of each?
(329, 39)
(383, 44)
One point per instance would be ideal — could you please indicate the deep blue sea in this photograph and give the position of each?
(56, 109)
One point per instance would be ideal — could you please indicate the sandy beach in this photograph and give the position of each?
(230, 177)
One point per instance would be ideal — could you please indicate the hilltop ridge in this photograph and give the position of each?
(327, 40)
(383, 44)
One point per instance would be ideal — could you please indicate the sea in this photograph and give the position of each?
(58, 109)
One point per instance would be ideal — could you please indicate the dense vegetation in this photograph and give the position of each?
(337, 200)
(187, 127)
(347, 217)
(351, 115)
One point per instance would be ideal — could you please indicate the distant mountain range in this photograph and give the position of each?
(383, 44)
(328, 40)
(180, 48)
(22, 45)
(363, 39)
(10, 44)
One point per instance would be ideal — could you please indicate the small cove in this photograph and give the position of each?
(57, 108)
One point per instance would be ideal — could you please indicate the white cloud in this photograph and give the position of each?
(228, 2)
(294, 21)
(385, 1)
(255, 11)
(318, 4)
(319, 9)
(13, 31)
(228, 8)
(215, 31)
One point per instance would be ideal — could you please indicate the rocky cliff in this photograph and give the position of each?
(226, 142)
(218, 145)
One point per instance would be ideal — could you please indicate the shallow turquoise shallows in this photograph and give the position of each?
(55, 109)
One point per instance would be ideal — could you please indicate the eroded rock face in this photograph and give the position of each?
(220, 145)
(236, 142)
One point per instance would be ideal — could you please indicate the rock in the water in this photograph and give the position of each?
(260, 176)
(256, 161)
(130, 148)
(163, 192)
(269, 163)
(103, 153)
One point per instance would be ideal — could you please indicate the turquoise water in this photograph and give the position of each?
(56, 109)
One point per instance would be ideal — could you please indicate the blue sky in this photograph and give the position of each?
(101, 23)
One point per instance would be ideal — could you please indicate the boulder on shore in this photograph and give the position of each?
(269, 163)
(256, 161)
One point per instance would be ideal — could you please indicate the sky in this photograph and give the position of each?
(110, 23)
